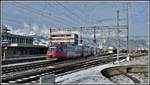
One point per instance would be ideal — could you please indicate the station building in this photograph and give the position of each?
(14, 46)
(70, 38)
(16, 39)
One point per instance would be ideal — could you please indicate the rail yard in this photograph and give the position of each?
(37, 68)
(74, 43)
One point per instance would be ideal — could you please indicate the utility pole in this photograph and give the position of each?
(102, 38)
(94, 36)
(127, 22)
(81, 41)
(118, 36)
(108, 38)
(81, 36)
(1, 41)
(50, 37)
(94, 40)
(4, 30)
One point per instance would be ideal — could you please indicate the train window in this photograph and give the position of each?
(65, 50)
(68, 35)
(76, 36)
(72, 49)
(59, 50)
(51, 49)
(53, 35)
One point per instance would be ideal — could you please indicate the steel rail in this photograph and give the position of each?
(57, 69)
(33, 65)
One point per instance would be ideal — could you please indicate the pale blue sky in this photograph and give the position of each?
(75, 14)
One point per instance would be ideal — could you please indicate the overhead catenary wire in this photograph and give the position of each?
(52, 16)
(16, 21)
(17, 25)
(41, 15)
(67, 9)
(11, 19)
(84, 14)
(131, 18)
(31, 13)
(12, 23)
(73, 20)
(39, 12)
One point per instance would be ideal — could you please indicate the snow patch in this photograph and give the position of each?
(122, 79)
(88, 76)
(93, 75)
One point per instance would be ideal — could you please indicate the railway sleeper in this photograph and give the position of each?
(71, 66)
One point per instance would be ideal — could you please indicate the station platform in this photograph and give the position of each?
(22, 59)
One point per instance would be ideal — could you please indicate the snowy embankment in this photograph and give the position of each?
(88, 76)
(93, 75)
(122, 79)
(139, 78)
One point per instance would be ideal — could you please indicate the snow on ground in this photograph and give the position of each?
(140, 76)
(139, 60)
(122, 79)
(88, 76)
(93, 75)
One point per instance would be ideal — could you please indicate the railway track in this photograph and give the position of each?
(24, 66)
(57, 69)
(6, 69)
(9, 69)
(22, 60)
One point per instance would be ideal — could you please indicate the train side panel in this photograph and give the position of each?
(73, 51)
(70, 52)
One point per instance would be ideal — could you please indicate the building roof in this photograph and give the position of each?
(23, 45)
(14, 35)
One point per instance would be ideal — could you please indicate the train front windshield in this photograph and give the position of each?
(51, 49)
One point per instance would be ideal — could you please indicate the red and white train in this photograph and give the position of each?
(69, 51)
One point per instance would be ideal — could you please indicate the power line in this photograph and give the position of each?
(71, 18)
(82, 14)
(27, 11)
(48, 15)
(39, 13)
(12, 22)
(10, 19)
(71, 12)
(26, 17)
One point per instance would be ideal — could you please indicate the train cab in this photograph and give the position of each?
(55, 52)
